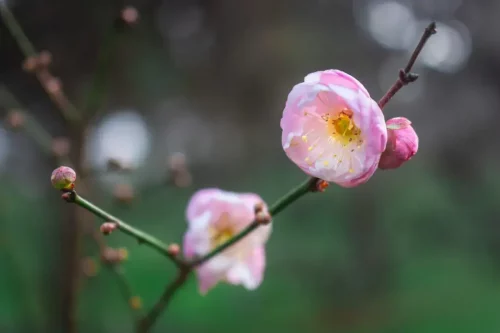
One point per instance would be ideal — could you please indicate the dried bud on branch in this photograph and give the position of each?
(114, 256)
(60, 147)
(124, 193)
(89, 267)
(15, 119)
(130, 15)
(174, 249)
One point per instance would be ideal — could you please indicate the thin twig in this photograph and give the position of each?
(141, 236)
(276, 208)
(126, 291)
(45, 140)
(307, 186)
(405, 76)
(99, 85)
(67, 109)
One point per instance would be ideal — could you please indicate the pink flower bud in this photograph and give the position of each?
(63, 178)
(174, 249)
(402, 143)
(108, 227)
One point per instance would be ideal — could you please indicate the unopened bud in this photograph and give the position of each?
(177, 161)
(15, 119)
(114, 256)
(53, 85)
(261, 213)
(321, 185)
(124, 193)
(108, 227)
(45, 58)
(60, 147)
(135, 302)
(402, 143)
(89, 267)
(174, 249)
(30, 64)
(130, 15)
(63, 178)
(68, 196)
(263, 217)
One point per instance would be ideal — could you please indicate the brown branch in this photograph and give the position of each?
(38, 63)
(405, 75)
(149, 320)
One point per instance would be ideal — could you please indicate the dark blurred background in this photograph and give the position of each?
(413, 250)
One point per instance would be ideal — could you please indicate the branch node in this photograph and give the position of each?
(174, 249)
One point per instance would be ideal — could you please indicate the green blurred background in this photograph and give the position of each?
(415, 250)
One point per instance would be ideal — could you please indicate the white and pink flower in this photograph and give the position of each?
(215, 216)
(333, 129)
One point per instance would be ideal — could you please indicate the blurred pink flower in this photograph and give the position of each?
(402, 143)
(332, 129)
(214, 216)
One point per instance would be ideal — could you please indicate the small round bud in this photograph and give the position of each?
(124, 193)
(123, 253)
(90, 267)
(130, 15)
(30, 64)
(177, 161)
(63, 178)
(174, 249)
(402, 143)
(114, 256)
(68, 196)
(108, 227)
(259, 207)
(135, 302)
(15, 119)
(261, 213)
(45, 58)
(60, 147)
(263, 217)
(53, 85)
(321, 185)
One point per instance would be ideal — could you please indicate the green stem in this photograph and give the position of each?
(276, 208)
(141, 236)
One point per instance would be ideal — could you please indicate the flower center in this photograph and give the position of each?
(221, 236)
(342, 127)
(222, 231)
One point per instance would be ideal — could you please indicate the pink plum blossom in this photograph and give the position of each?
(333, 129)
(402, 143)
(214, 216)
